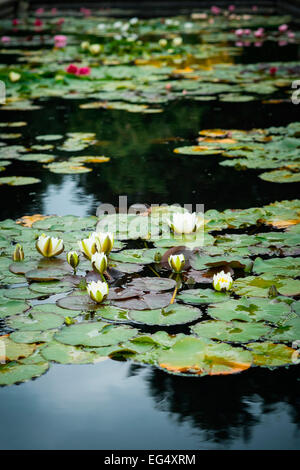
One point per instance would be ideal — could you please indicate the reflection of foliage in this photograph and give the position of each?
(221, 407)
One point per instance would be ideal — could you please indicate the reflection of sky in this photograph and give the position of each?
(103, 406)
(67, 198)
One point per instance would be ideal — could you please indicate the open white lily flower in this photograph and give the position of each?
(184, 222)
(98, 291)
(88, 246)
(99, 262)
(105, 242)
(222, 281)
(49, 246)
(176, 262)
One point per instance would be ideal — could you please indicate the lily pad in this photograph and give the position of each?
(11, 307)
(258, 286)
(35, 322)
(18, 180)
(15, 372)
(273, 355)
(29, 337)
(288, 331)
(144, 302)
(202, 296)
(234, 332)
(95, 334)
(152, 284)
(65, 354)
(175, 314)
(193, 356)
(13, 351)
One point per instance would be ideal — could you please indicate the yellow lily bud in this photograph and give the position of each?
(176, 262)
(177, 41)
(18, 254)
(98, 291)
(14, 76)
(222, 281)
(99, 262)
(163, 42)
(49, 246)
(105, 242)
(73, 259)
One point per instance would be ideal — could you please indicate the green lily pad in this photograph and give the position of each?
(44, 275)
(65, 354)
(287, 266)
(35, 322)
(250, 309)
(234, 332)
(20, 293)
(288, 331)
(18, 180)
(109, 312)
(15, 372)
(273, 355)
(139, 256)
(202, 296)
(152, 284)
(144, 302)
(258, 286)
(281, 176)
(30, 337)
(52, 287)
(193, 356)
(11, 307)
(95, 334)
(13, 351)
(200, 262)
(53, 308)
(175, 314)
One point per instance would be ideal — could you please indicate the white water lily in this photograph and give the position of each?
(104, 242)
(88, 246)
(14, 76)
(163, 42)
(176, 262)
(49, 246)
(184, 222)
(85, 45)
(98, 291)
(73, 259)
(95, 49)
(99, 262)
(177, 41)
(222, 281)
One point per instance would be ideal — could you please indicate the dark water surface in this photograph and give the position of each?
(115, 405)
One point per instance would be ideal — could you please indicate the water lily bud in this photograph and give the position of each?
(98, 291)
(177, 41)
(69, 321)
(176, 262)
(73, 259)
(184, 222)
(85, 45)
(163, 42)
(273, 292)
(95, 49)
(49, 246)
(222, 281)
(99, 262)
(18, 254)
(88, 246)
(14, 76)
(105, 242)
(157, 257)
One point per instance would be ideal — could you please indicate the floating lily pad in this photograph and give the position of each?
(288, 331)
(193, 356)
(140, 256)
(11, 307)
(29, 337)
(18, 180)
(95, 334)
(281, 176)
(144, 302)
(15, 372)
(202, 262)
(35, 322)
(287, 266)
(175, 314)
(44, 275)
(259, 286)
(52, 287)
(20, 293)
(109, 312)
(49, 137)
(152, 284)
(235, 331)
(53, 308)
(37, 157)
(65, 354)
(273, 355)
(202, 296)
(13, 351)
(250, 309)
(21, 267)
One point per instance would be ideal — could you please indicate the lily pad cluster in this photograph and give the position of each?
(47, 316)
(275, 148)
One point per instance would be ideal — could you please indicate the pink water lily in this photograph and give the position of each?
(15, 22)
(259, 33)
(60, 40)
(5, 39)
(283, 28)
(231, 8)
(38, 23)
(84, 71)
(39, 11)
(60, 21)
(72, 68)
(53, 11)
(239, 32)
(215, 10)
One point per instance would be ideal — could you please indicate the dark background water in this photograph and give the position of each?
(115, 405)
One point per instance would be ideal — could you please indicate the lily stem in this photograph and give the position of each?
(153, 270)
(174, 294)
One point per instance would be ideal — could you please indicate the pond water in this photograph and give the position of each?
(122, 405)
